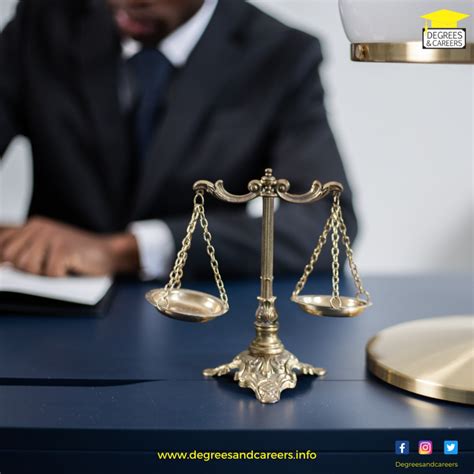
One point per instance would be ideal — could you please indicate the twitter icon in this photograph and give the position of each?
(450, 447)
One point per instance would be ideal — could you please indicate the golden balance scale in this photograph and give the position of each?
(266, 366)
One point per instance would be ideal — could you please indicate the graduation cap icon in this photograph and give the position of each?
(444, 18)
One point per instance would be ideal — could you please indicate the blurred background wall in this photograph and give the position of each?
(406, 136)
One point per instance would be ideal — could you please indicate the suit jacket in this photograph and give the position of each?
(249, 98)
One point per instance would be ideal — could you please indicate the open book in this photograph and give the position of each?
(88, 291)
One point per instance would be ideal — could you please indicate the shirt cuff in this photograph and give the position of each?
(155, 248)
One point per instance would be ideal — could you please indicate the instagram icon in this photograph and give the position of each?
(425, 447)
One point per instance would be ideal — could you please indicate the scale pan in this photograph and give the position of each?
(187, 305)
(320, 305)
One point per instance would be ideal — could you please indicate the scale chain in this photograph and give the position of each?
(177, 271)
(176, 274)
(335, 224)
(335, 300)
(212, 253)
(316, 253)
(361, 291)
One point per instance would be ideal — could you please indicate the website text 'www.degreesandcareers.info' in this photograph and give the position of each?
(236, 455)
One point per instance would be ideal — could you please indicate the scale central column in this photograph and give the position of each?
(267, 341)
(267, 248)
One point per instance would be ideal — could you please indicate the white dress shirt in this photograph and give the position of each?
(154, 238)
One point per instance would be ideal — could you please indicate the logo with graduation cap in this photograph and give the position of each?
(443, 32)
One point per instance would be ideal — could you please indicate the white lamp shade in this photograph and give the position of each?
(397, 21)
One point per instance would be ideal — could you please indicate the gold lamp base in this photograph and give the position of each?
(266, 367)
(431, 357)
(410, 52)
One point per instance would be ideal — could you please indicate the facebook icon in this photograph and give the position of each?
(402, 447)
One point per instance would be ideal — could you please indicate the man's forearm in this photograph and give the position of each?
(47, 247)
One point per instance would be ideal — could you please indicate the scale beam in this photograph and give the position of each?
(317, 191)
(269, 187)
(218, 191)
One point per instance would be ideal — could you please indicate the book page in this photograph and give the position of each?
(73, 289)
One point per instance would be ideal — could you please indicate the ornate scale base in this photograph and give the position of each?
(266, 375)
(266, 367)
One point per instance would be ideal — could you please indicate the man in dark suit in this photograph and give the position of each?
(128, 102)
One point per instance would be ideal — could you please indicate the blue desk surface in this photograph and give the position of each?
(133, 342)
(130, 380)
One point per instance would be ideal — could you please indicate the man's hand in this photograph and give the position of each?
(47, 247)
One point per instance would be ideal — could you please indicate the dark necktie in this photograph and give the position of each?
(150, 71)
